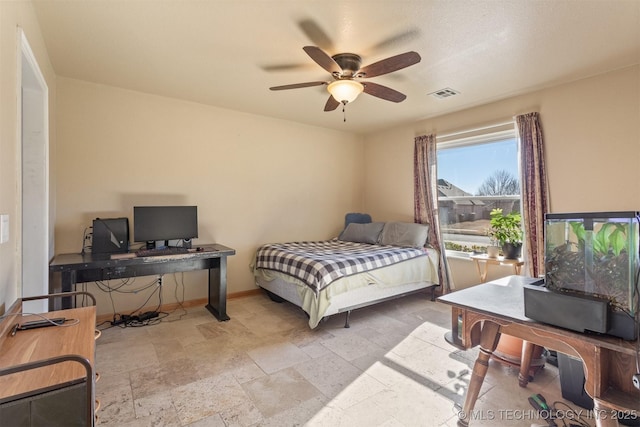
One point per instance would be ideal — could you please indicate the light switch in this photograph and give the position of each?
(4, 228)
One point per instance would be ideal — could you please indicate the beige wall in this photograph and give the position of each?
(254, 179)
(13, 15)
(592, 137)
(257, 179)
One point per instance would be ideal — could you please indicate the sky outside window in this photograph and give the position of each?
(468, 167)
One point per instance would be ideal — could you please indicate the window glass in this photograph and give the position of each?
(476, 175)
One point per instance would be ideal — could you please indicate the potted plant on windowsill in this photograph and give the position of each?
(507, 231)
(493, 249)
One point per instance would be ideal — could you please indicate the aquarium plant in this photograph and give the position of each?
(594, 262)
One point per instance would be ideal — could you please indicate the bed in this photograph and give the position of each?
(368, 263)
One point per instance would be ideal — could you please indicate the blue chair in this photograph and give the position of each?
(358, 218)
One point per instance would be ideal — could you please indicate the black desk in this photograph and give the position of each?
(81, 268)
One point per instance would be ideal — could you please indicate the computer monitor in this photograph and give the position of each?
(164, 223)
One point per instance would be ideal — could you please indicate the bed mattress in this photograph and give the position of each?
(318, 264)
(354, 290)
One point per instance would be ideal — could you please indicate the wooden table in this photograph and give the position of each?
(51, 359)
(496, 307)
(507, 353)
(482, 263)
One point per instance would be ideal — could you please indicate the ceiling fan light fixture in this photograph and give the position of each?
(345, 91)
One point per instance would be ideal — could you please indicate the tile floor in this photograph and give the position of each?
(265, 367)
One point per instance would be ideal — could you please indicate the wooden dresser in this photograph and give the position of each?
(47, 374)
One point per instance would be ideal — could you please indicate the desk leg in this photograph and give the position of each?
(218, 290)
(488, 343)
(61, 282)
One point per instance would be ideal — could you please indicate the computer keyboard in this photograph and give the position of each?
(161, 251)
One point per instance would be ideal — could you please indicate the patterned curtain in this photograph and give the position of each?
(535, 191)
(425, 191)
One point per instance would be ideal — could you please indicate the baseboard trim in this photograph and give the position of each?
(187, 304)
(243, 294)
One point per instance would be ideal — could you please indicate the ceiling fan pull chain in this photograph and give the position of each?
(344, 113)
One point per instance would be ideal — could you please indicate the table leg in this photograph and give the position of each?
(217, 304)
(454, 336)
(525, 363)
(482, 270)
(488, 343)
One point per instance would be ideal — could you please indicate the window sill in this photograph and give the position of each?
(458, 254)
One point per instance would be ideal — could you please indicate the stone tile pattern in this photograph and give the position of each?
(265, 367)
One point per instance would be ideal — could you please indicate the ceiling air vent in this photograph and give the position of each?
(444, 93)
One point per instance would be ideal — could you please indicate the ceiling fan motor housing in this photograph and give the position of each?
(349, 62)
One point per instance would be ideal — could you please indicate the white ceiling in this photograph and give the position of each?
(227, 53)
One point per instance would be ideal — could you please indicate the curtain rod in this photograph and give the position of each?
(448, 135)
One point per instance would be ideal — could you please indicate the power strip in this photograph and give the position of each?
(146, 316)
(142, 317)
(124, 318)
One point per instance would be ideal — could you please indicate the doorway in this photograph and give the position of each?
(34, 244)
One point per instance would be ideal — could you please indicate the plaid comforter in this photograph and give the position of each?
(319, 263)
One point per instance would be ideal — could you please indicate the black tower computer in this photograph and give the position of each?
(110, 235)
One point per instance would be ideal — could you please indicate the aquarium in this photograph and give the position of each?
(594, 254)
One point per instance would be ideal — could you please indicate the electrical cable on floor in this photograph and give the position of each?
(113, 305)
(141, 319)
(118, 319)
(147, 318)
(570, 416)
(179, 301)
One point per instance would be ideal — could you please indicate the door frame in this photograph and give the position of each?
(34, 243)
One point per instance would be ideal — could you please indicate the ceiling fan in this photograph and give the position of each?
(347, 71)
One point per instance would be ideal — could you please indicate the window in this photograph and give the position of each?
(477, 172)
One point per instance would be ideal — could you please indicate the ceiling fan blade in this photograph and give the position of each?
(322, 59)
(390, 65)
(383, 92)
(316, 34)
(285, 67)
(395, 40)
(297, 85)
(331, 104)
